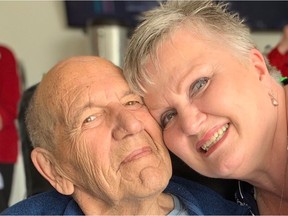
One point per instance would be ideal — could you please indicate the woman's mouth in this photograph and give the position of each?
(215, 138)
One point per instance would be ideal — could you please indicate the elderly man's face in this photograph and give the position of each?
(115, 147)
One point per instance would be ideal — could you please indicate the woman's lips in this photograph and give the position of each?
(136, 154)
(214, 138)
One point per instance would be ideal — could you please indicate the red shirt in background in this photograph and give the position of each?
(9, 99)
(279, 61)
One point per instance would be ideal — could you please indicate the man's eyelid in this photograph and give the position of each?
(90, 109)
(92, 117)
(129, 95)
(79, 113)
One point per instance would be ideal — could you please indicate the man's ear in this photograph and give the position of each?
(44, 162)
(259, 64)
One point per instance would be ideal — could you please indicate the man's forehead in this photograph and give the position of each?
(68, 74)
(78, 70)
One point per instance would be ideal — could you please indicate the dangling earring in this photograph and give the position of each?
(273, 100)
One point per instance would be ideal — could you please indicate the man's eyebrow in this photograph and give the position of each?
(128, 92)
(90, 104)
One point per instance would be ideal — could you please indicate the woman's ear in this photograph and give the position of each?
(259, 64)
(44, 162)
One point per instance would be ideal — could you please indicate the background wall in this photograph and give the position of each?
(38, 34)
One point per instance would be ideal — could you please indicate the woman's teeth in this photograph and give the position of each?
(215, 138)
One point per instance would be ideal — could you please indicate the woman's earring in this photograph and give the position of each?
(273, 100)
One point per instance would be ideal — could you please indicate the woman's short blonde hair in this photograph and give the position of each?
(211, 17)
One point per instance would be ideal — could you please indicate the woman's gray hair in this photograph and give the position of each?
(210, 17)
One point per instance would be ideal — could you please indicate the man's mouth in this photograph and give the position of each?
(136, 154)
(215, 138)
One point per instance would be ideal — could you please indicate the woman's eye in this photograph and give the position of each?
(89, 119)
(134, 104)
(167, 117)
(198, 85)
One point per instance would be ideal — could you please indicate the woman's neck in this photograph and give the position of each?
(272, 195)
(272, 187)
(271, 203)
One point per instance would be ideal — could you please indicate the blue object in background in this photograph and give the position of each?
(80, 13)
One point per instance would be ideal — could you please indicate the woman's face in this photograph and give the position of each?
(215, 111)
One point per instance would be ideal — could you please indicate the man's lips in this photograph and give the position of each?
(138, 153)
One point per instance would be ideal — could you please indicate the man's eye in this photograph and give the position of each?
(198, 85)
(89, 119)
(134, 104)
(167, 117)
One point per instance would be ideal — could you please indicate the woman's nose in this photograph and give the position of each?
(191, 119)
(126, 124)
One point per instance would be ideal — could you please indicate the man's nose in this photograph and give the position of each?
(191, 119)
(126, 124)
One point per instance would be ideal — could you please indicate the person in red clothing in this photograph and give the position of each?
(9, 99)
(278, 56)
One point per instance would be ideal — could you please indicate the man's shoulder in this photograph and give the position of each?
(50, 202)
(200, 199)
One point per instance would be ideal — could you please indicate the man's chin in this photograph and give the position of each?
(155, 178)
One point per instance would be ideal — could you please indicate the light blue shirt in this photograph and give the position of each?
(178, 207)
